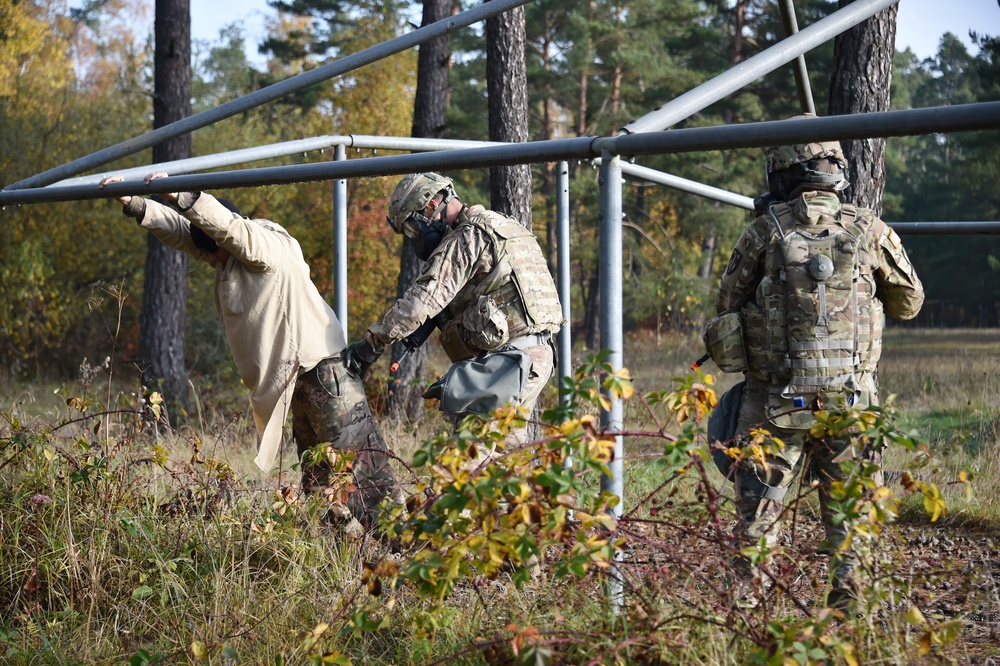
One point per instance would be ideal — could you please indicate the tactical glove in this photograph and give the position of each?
(358, 358)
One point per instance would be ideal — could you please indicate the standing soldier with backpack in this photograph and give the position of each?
(805, 291)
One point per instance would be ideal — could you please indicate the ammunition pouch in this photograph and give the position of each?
(724, 341)
(485, 324)
(452, 339)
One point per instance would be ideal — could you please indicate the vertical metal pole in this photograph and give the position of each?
(340, 242)
(801, 73)
(562, 221)
(610, 234)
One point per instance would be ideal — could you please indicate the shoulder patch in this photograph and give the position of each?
(734, 261)
(894, 238)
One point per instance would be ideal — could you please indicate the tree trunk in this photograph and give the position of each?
(861, 81)
(430, 109)
(507, 90)
(549, 168)
(161, 339)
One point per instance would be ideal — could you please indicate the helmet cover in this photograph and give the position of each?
(784, 157)
(412, 195)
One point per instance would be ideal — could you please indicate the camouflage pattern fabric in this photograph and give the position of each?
(520, 282)
(464, 267)
(759, 517)
(783, 157)
(329, 406)
(884, 272)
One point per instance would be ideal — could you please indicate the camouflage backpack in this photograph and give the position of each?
(814, 325)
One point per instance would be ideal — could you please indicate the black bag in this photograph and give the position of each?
(482, 384)
(722, 426)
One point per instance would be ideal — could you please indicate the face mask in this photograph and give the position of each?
(429, 236)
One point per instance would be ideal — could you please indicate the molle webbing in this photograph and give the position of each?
(817, 310)
(520, 282)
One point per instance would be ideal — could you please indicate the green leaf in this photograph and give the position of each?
(142, 592)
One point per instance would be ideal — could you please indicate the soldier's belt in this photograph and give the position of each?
(527, 341)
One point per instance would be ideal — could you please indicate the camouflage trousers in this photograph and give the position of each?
(761, 516)
(542, 366)
(329, 406)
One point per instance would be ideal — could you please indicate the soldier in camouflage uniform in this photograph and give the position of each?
(286, 342)
(808, 328)
(483, 271)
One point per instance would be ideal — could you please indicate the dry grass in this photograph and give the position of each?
(138, 562)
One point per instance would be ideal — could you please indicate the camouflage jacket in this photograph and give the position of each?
(468, 266)
(884, 268)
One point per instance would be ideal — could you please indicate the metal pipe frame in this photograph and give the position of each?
(685, 185)
(275, 91)
(801, 73)
(612, 339)
(610, 271)
(943, 119)
(565, 284)
(753, 68)
(281, 149)
(340, 242)
(945, 228)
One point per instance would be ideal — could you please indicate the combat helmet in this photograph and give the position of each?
(819, 164)
(411, 196)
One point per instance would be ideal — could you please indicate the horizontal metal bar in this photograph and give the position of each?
(471, 158)
(215, 160)
(965, 117)
(945, 228)
(280, 149)
(272, 92)
(908, 122)
(751, 69)
(415, 144)
(685, 185)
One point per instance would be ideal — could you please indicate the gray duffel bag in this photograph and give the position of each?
(482, 384)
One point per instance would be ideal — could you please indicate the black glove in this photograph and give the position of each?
(358, 357)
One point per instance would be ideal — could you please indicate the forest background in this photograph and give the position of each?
(73, 81)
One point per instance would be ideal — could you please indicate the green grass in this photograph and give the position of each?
(109, 555)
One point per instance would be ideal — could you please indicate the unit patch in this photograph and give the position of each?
(734, 261)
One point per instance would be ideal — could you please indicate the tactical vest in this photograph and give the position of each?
(815, 325)
(516, 298)
(520, 283)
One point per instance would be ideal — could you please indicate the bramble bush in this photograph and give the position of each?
(123, 540)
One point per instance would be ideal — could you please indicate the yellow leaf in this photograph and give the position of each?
(569, 427)
(925, 643)
(198, 650)
(914, 616)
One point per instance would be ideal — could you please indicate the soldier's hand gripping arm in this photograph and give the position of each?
(164, 222)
